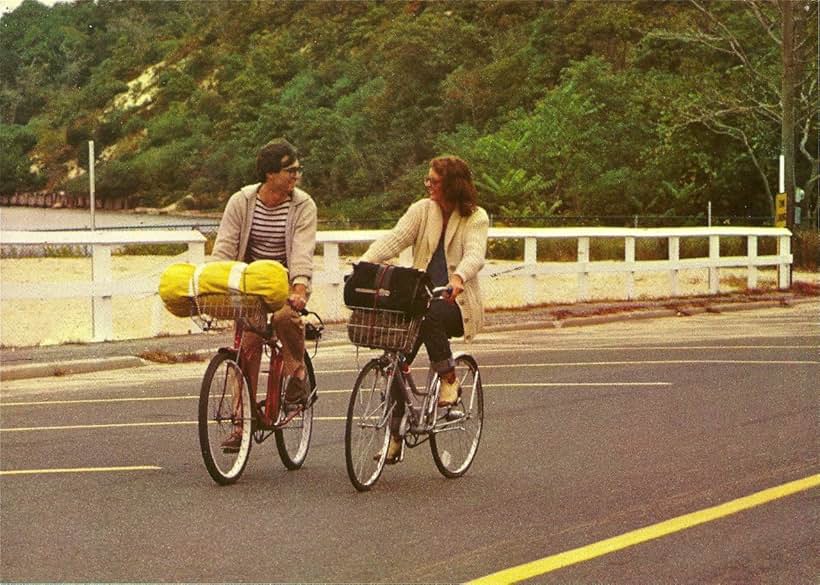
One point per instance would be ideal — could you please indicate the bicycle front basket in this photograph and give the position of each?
(380, 329)
(249, 309)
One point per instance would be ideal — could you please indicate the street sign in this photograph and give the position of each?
(781, 216)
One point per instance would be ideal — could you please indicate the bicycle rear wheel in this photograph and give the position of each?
(225, 419)
(455, 438)
(367, 428)
(293, 440)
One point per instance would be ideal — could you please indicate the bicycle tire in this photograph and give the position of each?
(293, 440)
(367, 426)
(455, 438)
(221, 399)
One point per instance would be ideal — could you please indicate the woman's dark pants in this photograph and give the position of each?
(442, 321)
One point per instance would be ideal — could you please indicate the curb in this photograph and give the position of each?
(63, 368)
(68, 367)
(644, 314)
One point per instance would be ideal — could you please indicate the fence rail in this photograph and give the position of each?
(329, 274)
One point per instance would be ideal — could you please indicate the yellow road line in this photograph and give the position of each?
(79, 470)
(610, 545)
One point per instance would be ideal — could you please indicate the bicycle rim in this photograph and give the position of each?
(367, 429)
(293, 440)
(455, 438)
(224, 408)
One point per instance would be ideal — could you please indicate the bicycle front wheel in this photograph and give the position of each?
(455, 438)
(293, 440)
(225, 419)
(367, 428)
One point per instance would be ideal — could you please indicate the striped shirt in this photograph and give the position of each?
(267, 237)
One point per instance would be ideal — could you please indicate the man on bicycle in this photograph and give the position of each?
(274, 220)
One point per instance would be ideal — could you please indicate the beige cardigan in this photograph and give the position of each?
(465, 248)
(300, 232)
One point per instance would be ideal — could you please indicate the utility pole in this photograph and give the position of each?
(787, 100)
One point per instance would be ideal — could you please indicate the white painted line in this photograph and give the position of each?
(647, 362)
(95, 400)
(79, 470)
(130, 425)
(517, 348)
(98, 426)
(574, 384)
(321, 392)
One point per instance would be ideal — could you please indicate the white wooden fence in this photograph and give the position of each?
(329, 276)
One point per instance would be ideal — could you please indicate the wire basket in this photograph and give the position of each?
(381, 329)
(212, 310)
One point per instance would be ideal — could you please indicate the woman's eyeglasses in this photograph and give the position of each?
(430, 181)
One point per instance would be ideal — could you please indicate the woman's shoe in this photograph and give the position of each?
(448, 393)
(394, 451)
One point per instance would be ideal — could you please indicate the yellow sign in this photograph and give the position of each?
(781, 216)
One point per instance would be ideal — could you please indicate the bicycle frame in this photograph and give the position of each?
(266, 413)
(419, 420)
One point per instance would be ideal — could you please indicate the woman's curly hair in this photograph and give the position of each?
(456, 183)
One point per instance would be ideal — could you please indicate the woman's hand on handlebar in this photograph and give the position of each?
(449, 293)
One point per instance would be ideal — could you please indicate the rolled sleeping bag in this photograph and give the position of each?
(176, 288)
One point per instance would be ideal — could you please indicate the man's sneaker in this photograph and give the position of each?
(296, 393)
(233, 442)
(448, 393)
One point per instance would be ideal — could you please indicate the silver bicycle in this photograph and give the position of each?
(453, 432)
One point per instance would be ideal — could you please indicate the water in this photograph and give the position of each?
(36, 218)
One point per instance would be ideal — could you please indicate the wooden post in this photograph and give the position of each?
(629, 258)
(714, 271)
(583, 269)
(102, 320)
(529, 281)
(674, 260)
(751, 253)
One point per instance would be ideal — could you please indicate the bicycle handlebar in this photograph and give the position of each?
(439, 292)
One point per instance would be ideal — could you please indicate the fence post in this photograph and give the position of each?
(629, 258)
(196, 252)
(583, 269)
(102, 320)
(529, 282)
(751, 253)
(784, 249)
(674, 261)
(714, 271)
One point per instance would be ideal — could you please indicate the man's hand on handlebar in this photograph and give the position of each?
(298, 297)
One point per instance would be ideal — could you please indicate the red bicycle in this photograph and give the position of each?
(226, 404)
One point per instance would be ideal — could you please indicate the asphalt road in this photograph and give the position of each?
(608, 452)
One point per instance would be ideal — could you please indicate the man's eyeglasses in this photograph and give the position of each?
(294, 171)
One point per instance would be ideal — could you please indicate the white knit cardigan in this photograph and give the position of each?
(465, 248)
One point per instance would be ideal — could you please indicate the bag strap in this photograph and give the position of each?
(383, 277)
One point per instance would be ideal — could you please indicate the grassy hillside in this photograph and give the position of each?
(563, 108)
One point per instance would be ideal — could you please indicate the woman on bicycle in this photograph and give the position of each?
(274, 220)
(448, 233)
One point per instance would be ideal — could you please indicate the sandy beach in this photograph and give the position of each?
(25, 322)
